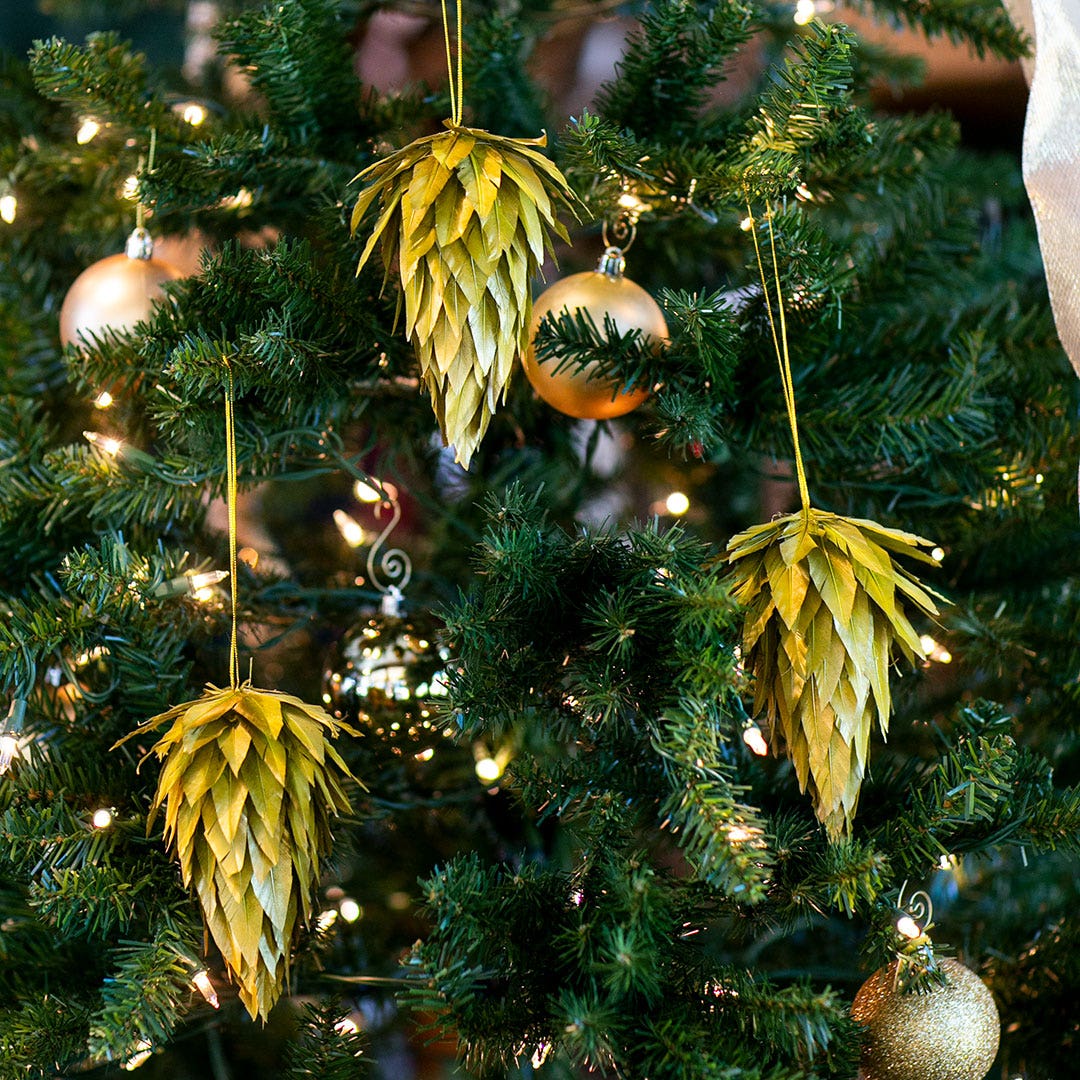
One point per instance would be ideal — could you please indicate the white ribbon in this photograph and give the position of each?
(1051, 157)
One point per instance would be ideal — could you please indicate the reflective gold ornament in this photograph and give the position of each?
(603, 294)
(116, 292)
(949, 1032)
(385, 677)
(465, 220)
(250, 783)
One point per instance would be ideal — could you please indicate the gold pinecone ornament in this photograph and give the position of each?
(250, 783)
(466, 218)
(825, 613)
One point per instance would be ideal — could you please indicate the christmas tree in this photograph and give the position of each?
(695, 698)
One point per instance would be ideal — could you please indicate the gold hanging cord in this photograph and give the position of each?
(780, 344)
(230, 495)
(457, 82)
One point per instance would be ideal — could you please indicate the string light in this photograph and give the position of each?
(488, 769)
(326, 919)
(934, 650)
(8, 205)
(753, 738)
(350, 909)
(87, 130)
(240, 201)
(366, 493)
(191, 112)
(746, 224)
(104, 400)
(425, 755)
(102, 818)
(10, 730)
(908, 927)
(937, 554)
(346, 1026)
(105, 443)
(202, 982)
(677, 503)
(351, 531)
(130, 188)
(143, 1051)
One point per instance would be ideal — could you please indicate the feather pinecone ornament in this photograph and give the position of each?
(465, 218)
(825, 613)
(250, 783)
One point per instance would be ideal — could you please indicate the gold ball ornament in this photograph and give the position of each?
(950, 1032)
(603, 293)
(115, 292)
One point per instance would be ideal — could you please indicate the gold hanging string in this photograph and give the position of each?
(140, 209)
(230, 495)
(457, 80)
(780, 344)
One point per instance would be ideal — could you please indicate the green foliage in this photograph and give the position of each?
(325, 1050)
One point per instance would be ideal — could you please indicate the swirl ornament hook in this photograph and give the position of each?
(390, 570)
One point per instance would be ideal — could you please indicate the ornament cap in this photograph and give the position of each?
(390, 605)
(612, 262)
(140, 245)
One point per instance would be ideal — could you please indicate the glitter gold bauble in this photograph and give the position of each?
(385, 677)
(949, 1032)
(115, 293)
(604, 295)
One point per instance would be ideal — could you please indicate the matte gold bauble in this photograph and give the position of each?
(604, 294)
(950, 1032)
(115, 292)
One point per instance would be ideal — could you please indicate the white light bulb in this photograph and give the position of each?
(488, 769)
(350, 909)
(907, 926)
(103, 400)
(8, 205)
(9, 750)
(327, 919)
(206, 581)
(143, 1050)
(755, 740)
(346, 1026)
(194, 113)
(937, 554)
(677, 503)
(202, 982)
(351, 530)
(366, 493)
(87, 130)
(102, 818)
(130, 188)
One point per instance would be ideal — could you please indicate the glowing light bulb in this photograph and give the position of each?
(206, 580)
(425, 755)
(327, 919)
(366, 493)
(9, 750)
(805, 10)
(935, 651)
(102, 818)
(677, 503)
(907, 926)
(937, 554)
(105, 443)
(346, 1026)
(193, 113)
(351, 530)
(755, 740)
(143, 1051)
(202, 982)
(87, 130)
(240, 201)
(746, 224)
(104, 400)
(350, 909)
(488, 769)
(130, 188)
(248, 556)
(8, 205)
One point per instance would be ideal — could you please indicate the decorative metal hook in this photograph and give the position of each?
(389, 571)
(919, 906)
(623, 233)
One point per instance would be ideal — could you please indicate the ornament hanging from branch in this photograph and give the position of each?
(925, 1017)
(466, 219)
(608, 300)
(250, 784)
(118, 291)
(826, 608)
